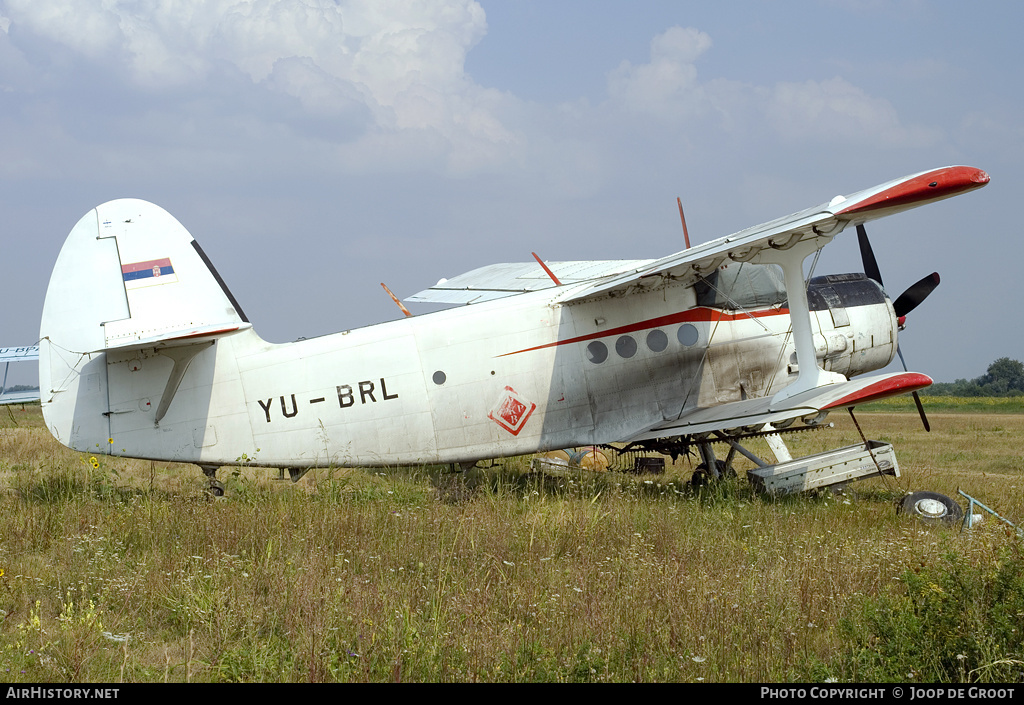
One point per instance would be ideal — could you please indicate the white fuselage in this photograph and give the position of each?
(501, 378)
(144, 352)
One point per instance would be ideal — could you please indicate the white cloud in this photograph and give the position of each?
(380, 85)
(668, 89)
(399, 62)
(320, 93)
(837, 110)
(667, 86)
(386, 45)
(89, 28)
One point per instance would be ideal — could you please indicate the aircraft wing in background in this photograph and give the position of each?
(25, 353)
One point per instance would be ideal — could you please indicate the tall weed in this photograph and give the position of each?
(951, 622)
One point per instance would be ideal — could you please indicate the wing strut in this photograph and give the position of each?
(791, 258)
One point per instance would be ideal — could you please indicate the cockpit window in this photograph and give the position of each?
(742, 286)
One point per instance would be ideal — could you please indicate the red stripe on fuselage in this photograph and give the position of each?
(693, 315)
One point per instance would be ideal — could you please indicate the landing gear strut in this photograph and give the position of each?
(711, 468)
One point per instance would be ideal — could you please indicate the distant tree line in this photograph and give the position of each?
(1004, 378)
(21, 388)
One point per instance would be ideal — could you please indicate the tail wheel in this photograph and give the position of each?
(930, 507)
(216, 487)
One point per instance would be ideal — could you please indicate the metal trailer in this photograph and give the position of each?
(829, 469)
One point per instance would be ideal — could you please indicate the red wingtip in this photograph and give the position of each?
(930, 186)
(887, 387)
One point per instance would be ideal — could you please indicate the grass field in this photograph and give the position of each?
(123, 571)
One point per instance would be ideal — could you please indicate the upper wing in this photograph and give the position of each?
(499, 280)
(611, 277)
(763, 410)
(821, 222)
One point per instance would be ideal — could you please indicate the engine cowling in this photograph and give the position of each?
(857, 326)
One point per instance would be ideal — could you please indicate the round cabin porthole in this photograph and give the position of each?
(597, 352)
(688, 334)
(657, 341)
(625, 347)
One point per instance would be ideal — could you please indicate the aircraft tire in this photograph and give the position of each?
(702, 477)
(699, 478)
(930, 507)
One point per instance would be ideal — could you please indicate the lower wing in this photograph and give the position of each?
(764, 410)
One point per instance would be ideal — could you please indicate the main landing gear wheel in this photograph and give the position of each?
(931, 507)
(702, 477)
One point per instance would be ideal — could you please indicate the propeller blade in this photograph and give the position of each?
(867, 256)
(907, 302)
(918, 292)
(917, 398)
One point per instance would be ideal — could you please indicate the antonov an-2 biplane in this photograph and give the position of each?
(145, 353)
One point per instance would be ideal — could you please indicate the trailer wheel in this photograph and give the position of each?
(930, 507)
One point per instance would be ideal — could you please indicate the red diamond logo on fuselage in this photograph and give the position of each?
(512, 411)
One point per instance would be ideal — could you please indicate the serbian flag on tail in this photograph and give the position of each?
(149, 273)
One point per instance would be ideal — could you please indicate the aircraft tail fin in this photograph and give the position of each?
(129, 276)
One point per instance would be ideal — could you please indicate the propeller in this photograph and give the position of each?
(907, 301)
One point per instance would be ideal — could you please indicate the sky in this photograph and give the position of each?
(316, 148)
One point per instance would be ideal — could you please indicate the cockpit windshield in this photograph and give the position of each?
(742, 286)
